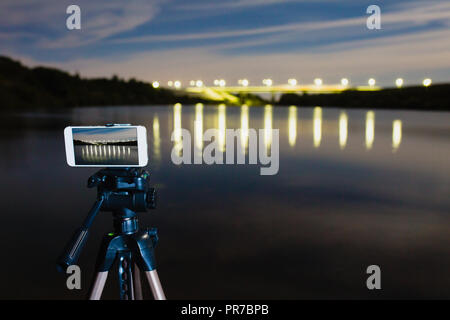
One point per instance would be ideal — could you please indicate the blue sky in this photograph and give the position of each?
(255, 39)
(103, 133)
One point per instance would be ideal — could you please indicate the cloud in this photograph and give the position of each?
(404, 15)
(414, 42)
(238, 4)
(46, 20)
(412, 56)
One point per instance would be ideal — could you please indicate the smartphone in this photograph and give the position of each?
(106, 146)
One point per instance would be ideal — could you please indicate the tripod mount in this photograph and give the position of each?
(124, 192)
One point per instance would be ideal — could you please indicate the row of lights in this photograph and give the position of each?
(268, 82)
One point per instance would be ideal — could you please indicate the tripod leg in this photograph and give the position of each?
(155, 285)
(98, 285)
(105, 259)
(137, 283)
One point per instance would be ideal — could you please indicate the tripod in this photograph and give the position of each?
(124, 192)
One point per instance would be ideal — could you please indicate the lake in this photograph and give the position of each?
(354, 188)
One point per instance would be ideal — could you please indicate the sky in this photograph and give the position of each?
(254, 39)
(86, 134)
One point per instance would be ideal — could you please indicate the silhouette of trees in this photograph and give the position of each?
(435, 97)
(22, 87)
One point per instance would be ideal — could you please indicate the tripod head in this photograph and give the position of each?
(122, 191)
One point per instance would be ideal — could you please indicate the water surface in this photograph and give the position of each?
(354, 188)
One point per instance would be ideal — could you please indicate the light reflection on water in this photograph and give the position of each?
(317, 126)
(292, 123)
(156, 139)
(343, 129)
(396, 134)
(370, 129)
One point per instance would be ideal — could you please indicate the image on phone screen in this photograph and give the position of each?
(105, 146)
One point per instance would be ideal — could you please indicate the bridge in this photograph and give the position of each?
(224, 93)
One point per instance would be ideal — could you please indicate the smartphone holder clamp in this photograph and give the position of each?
(124, 192)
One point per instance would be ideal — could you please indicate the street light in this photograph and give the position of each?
(371, 82)
(170, 83)
(399, 82)
(292, 82)
(222, 83)
(192, 83)
(177, 84)
(216, 82)
(267, 82)
(318, 82)
(427, 82)
(155, 84)
(243, 82)
(344, 82)
(199, 83)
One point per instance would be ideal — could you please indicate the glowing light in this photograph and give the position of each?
(371, 82)
(399, 82)
(192, 83)
(177, 84)
(244, 128)
(198, 129)
(396, 134)
(222, 83)
(268, 127)
(292, 125)
(267, 82)
(155, 84)
(344, 82)
(318, 82)
(292, 82)
(343, 129)
(178, 143)
(222, 127)
(427, 82)
(156, 139)
(243, 82)
(216, 82)
(170, 83)
(370, 129)
(317, 123)
(199, 83)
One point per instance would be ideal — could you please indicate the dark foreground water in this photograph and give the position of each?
(354, 188)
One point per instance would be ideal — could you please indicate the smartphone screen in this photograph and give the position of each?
(104, 146)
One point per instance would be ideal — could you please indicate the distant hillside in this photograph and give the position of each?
(24, 88)
(435, 97)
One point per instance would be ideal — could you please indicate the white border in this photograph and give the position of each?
(141, 133)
